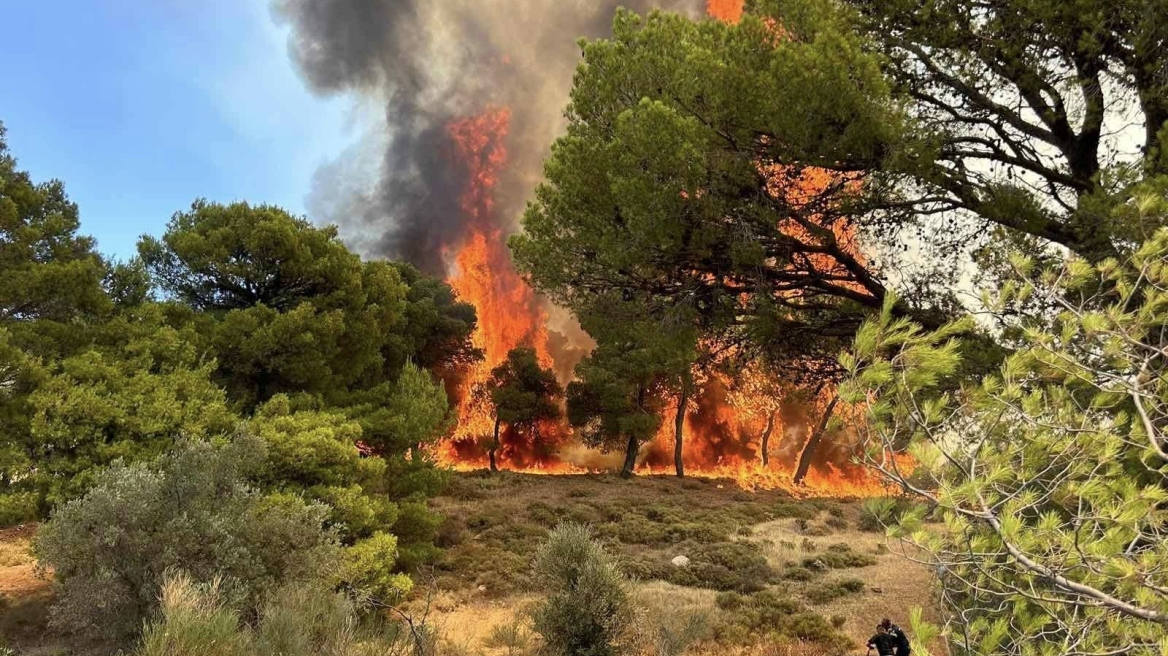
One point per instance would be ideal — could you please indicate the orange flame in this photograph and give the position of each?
(509, 315)
(725, 10)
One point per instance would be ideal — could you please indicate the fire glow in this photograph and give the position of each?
(724, 430)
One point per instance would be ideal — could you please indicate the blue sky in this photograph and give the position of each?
(141, 106)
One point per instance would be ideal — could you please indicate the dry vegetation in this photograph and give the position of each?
(768, 575)
(813, 571)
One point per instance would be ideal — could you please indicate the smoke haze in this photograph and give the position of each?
(427, 64)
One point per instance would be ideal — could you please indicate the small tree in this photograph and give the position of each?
(615, 404)
(587, 609)
(110, 549)
(523, 394)
(1051, 476)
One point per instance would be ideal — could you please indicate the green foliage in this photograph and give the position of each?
(611, 402)
(838, 556)
(736, 566)
(128, 396)
(1050, 475)
(586, 610)
(191, 509)
(410, 412)
(234, 257)
(769, 616)
(296, 311)
(295, 620)
(680, 182)
(314, 452)
(827, 591)
(523, 392)
(369, 568)
(47, 271)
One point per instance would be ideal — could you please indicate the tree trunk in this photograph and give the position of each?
(766, 438)
(679, 426)
(813, 442)
(630, 458)
(494, 446)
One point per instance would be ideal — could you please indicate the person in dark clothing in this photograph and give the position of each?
(884, 644)
(903, 648)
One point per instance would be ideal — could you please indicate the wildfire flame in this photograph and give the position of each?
(722, 425)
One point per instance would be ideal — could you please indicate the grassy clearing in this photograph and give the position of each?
(768, 575)
(771, 574)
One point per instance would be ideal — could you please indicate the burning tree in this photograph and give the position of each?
(524, 395)
(1051, 476)
(706, 196)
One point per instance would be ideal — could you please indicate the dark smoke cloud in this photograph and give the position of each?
(429, 63)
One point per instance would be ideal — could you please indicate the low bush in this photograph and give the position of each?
(794, 510)
(192, 509)
(296, 620)
(511, 638)
(673, 631)
(737, 566)
(797, 573)
(831, 590)
(586, 610)
(838, 523)
(770, 617)
(838, 556)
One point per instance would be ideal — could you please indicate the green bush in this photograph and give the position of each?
(369, 568)
(769, 616)
(737, 566)
(839, 556)
(189, 509)
(797, 573)
(831, 590)
(794, 510)
(586, 611)
(295, 620)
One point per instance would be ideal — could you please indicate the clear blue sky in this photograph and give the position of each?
(141, 106)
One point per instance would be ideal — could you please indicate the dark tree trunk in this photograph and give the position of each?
(494, 446)
(679, 427)
(766, 438)
(813, 442)
(630, 458)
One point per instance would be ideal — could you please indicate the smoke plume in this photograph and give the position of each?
(427, 64)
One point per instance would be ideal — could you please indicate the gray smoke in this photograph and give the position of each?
(429, 63)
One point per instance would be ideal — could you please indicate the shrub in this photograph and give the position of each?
(794, 510)
(797, 573)
(838, 523)
(510, 637)
(839, 556)
(369, 568)
(734, 566)
(769, 616)
(671, 632)
(110, 549)
(587, 610)
(295, 620)
(830, 590)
